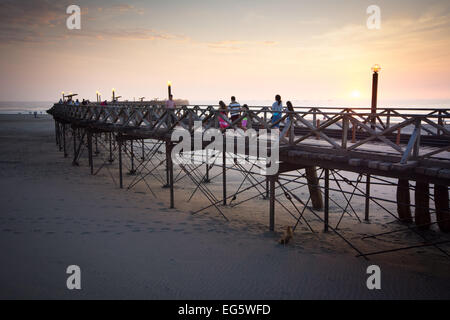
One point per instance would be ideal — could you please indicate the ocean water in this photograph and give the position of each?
(24, 107)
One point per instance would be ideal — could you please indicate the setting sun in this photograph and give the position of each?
(355, 94)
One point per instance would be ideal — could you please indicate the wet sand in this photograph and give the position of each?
(129, 245)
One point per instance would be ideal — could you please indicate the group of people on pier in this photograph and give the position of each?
(234, 110)
(229, 113)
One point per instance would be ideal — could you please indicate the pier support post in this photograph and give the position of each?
(224, 174)
(314, 188)
(75, 154)
(367, 199)
(170, 172)
(442, 208)
(143, 150)
(167, 185)
(119, 141)
(206, 180)
(91, 160)
(132, 170)
(422, 202)
(110, 148)
(64, 141)
(403, 201)
(271, 180)
(96, 144)
(58, 135)
(327, 198)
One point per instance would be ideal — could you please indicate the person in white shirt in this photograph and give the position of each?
(170, 104)
(277, 106)
(234, 109)
(170, 107)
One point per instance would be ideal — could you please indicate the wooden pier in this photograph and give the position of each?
(411, 146)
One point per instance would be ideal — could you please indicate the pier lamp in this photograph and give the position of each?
(169, 87)
(97, 93)
(63, 95)
(113, 94)
(373, 110)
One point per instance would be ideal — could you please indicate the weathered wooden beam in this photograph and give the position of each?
(422, 201)
(327, 200)
(403, 201)
(314, 188)
(441, 199)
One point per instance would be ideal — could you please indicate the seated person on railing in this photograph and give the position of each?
(77, 103)
(104, 103)
(224, 112)
(61, 101)
(277, 106)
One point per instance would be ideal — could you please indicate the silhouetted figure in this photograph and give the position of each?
(290, 108)
(244, 121)
(278, 107)
(224, 112)
(235, 108)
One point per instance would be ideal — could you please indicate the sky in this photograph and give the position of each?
(210, 50)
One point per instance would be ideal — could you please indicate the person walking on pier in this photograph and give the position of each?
(170, 109)
(289, 108)
(235, 108)
(277, 106)
(244, 121)
(170, 104)
(224, 112)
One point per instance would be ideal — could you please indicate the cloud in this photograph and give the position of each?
(44, 21)
(237, 45)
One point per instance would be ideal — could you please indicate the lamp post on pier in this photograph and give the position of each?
(98, 94)
(373, 110)
(169, 87)
(113, 94)
(63, 95)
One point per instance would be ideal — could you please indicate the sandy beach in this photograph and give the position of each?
(129, 245)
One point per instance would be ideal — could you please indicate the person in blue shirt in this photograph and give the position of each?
(278, 107)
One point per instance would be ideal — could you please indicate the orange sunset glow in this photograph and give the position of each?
(210, 50)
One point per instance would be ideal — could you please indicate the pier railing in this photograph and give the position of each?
(401, 131)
